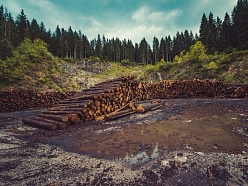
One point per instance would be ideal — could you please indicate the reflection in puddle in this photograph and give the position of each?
(141, 157)
(210, 127)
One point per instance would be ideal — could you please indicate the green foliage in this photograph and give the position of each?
(127, 63)
(25, 57)
(212, 66)
(196, 55)
(228, 77)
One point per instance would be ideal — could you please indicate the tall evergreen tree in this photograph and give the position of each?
(12, 33)
(35, 30)
(86, 47)
(98, 47)
(168, 48)
(143, 51)
(212, 33)
(21, 23)
(155, 50)
(204, 30)
(225, 39)
(240, 24)
(162, 49)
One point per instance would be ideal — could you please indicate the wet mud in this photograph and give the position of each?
(186, 142)
(206, 126)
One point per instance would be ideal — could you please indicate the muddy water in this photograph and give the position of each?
(206, 126)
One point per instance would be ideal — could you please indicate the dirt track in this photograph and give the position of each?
(162, 147)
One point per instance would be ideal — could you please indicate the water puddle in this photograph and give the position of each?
(207, 127)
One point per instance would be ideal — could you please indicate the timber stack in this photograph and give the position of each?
(104, 101)
(20, 99)
(124, 96)
(209, 88)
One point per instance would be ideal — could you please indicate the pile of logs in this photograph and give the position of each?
(105, 101)
(19, 99)
(123, 96)
(196, 89)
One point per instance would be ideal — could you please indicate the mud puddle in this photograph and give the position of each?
(201, 126)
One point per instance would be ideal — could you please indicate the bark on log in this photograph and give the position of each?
(142, 108)
(60, 125)
(54, 117)
(40, 124)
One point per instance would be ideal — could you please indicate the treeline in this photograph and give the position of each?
(215, 34)
(232, 32)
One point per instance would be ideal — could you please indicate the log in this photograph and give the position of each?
(142, 108)
(54, 117)
(119, 115)
(40, 124)
(59, 112)
(60, 125)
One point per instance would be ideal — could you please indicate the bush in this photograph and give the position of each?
(166, 67)
(228, 77)
(27, 55)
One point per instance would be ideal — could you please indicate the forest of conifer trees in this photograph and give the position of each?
(215, 34)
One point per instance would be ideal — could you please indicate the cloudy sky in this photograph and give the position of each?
(130, 19)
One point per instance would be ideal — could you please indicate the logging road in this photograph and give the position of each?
(187, 142)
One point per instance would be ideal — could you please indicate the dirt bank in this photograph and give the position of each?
(186, 142)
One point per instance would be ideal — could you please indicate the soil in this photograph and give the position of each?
(186, 142)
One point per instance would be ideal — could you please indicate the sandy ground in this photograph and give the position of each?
(31, 156)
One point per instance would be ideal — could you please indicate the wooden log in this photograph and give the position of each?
(74, 118)
(142, 108)
(119, 115)
(40, 124)
(61, 118)
(60, 125)
(60, 112)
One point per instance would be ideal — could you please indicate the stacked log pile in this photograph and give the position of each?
(105, 101)
(19, 99)
(196, 89)
(124, 96)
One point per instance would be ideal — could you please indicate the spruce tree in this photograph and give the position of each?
(155, 50)
(240, 24)
(225, 39)
(21, 22)
(204, 29)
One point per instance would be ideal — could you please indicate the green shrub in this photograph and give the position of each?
(228, 77)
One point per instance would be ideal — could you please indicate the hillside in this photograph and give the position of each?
(33, 67)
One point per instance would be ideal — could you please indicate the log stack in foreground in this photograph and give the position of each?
(104, 101)
(124, 96)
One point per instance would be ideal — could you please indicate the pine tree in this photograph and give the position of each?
(143, 51)
(27, 31)
(92, 47)
(21, 23)
(240, 24)
(212, 34)
(12, 34)
(168, 48)
(35, 30)
(136, 52)
(155, 50)
(98, 47)
(162, 49)
(204, 30)
(225, 38)
(86, 47)
(131, 52)
(42, 31)
(70, 42)
(104, 49)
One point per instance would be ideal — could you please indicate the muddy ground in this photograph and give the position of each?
(186, 142)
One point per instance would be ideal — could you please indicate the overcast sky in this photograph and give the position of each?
(130, 19)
